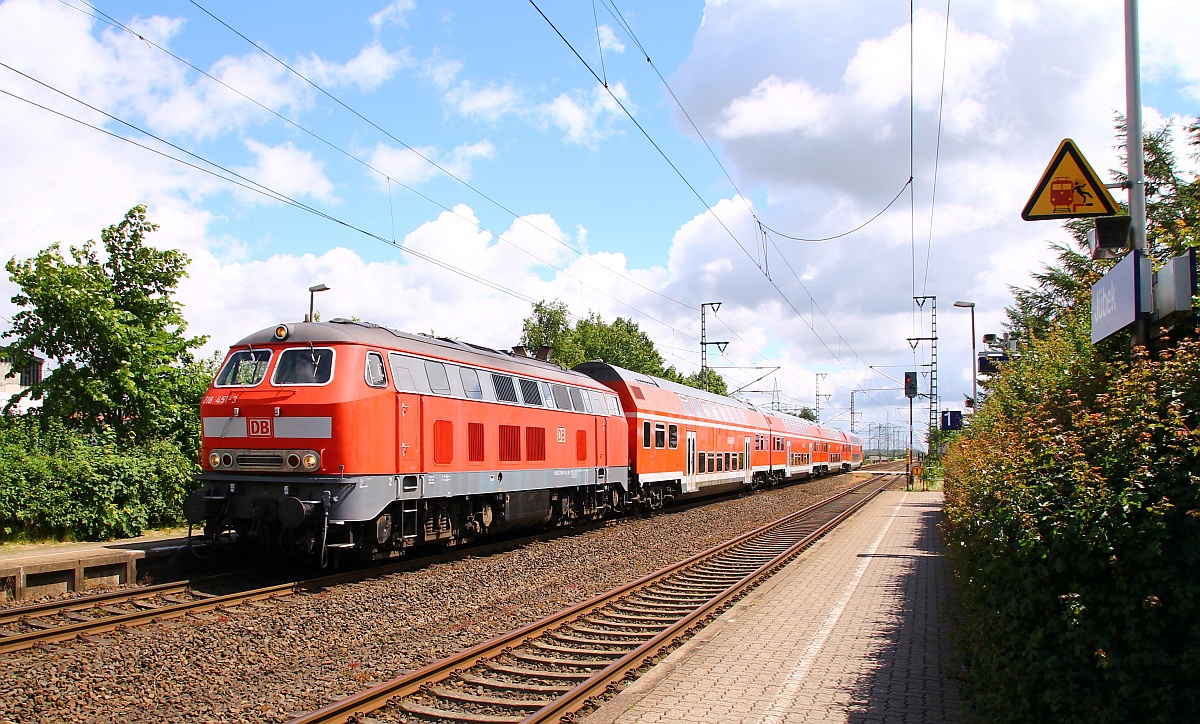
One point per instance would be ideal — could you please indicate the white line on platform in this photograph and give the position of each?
(791, 688)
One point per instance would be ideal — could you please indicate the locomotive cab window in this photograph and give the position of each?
(244, 368)
(304, 366)
(374, 374)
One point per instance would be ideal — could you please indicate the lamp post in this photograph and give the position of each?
(312, 292)
(974, 375)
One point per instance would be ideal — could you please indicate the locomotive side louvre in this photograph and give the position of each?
(410, 440)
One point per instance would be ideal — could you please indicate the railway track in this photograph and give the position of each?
(552, 668)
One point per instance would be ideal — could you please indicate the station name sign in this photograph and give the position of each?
(1120, 298)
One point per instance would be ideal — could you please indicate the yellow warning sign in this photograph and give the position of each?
(1069, 189)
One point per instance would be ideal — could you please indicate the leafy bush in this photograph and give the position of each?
(1074, 533)
(58, 483)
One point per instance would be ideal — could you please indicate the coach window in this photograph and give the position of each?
(700, 459)
(727, 462)
(470, 380)
(660, 435)
(304, 366)
(711, 463)
(646, 434)
(374, 374)
(720, 458)
(529, 391)
(439, 383)
(673, 436)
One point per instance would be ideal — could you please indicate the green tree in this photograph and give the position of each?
(105, 317)
(621, 342)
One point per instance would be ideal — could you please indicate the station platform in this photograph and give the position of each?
(36, 570)
(852, 630)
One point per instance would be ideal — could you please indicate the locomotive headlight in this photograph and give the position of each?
(214, 459)
(310, 460)
(281, 332)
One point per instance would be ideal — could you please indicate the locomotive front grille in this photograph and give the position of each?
(273, 461)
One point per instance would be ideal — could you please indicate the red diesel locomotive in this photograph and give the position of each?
(347, 436)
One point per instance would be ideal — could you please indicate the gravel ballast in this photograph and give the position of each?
(269, 662)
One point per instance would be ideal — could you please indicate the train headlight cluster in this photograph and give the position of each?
(257, 459)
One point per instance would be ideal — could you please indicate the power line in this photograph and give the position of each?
(425, 158)
(100, 15)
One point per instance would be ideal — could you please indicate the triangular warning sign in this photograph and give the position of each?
(1069, 189)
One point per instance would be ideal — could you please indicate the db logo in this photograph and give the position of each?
(562, 436)
(260, 427)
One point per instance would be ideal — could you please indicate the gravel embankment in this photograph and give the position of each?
(269, 662)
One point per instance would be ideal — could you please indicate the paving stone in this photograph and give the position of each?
(851, 631)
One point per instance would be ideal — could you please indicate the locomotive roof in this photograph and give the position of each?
(604, 372)
(356, 332)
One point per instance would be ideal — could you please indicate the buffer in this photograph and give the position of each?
(1069, 189)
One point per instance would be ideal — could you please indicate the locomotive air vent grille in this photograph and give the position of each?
(260, 460)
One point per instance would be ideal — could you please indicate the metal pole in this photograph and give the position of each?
(1135, 154)
(703, 350)
(974, 368)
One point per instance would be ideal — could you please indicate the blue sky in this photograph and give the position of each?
(806, 106)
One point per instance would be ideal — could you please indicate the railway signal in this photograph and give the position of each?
(910, 384)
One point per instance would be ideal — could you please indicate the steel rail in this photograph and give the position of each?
(358, 705)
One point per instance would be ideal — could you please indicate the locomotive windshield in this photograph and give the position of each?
(245, 368)
(304, 366)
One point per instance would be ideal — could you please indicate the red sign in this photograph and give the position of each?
(260, 427)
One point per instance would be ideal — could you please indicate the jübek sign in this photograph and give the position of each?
(1121, 296)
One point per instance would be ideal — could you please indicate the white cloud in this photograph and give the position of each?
(396, 13)
(777, 107)
(414, 165)
(286, 170)
(586, 118)
(608, 40)
(488, 103)
(372, 67)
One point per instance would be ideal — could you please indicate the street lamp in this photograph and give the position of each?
(974, 375)
(312, 292)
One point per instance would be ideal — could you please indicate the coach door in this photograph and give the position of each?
(748, 468)
(602, 443)
(787, 461)
(689, 484)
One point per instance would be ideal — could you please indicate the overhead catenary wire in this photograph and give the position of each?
(100, 15)
(937, 152)
(450, 174)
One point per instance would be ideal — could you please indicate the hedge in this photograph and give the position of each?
(1074, 534)
(56, 483)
